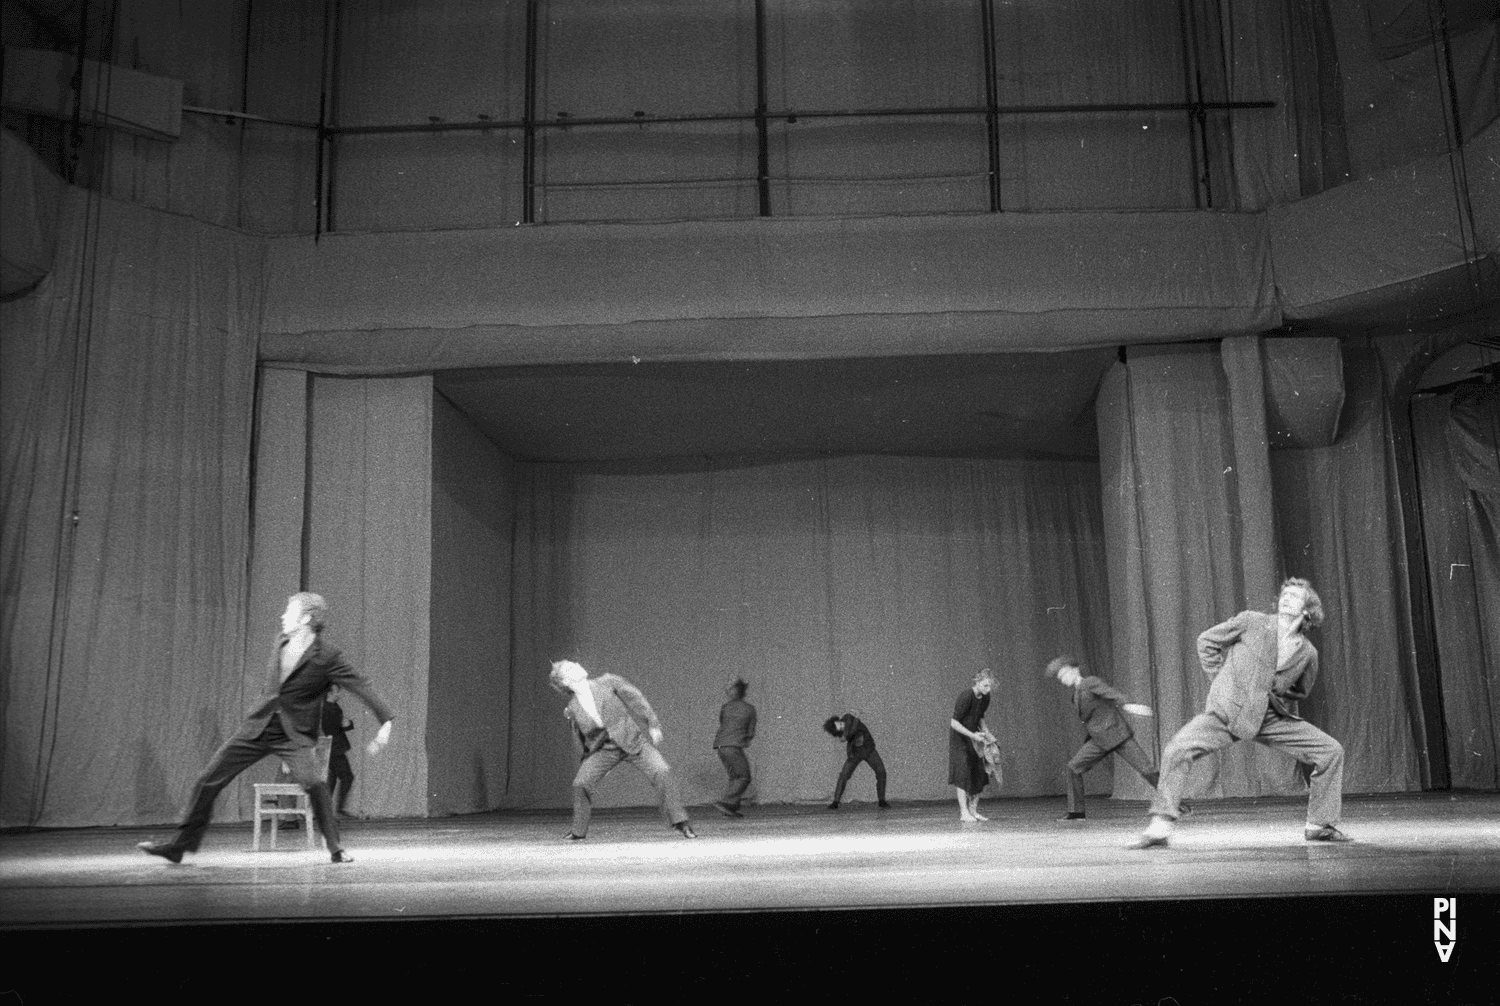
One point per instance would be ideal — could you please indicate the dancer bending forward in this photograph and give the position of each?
(859, 746)
(607, 714)
(1099, 707)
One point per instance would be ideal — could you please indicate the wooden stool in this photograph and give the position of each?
(268, 795)
(267, 806)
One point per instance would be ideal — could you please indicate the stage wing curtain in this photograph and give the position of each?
(128, 382)
(468, 694)
(1458, 455)
(876, 585)
(1339, 525)
(368, 551)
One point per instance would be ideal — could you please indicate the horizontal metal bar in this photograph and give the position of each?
(224, 114)
(746, 180)
(792, 116)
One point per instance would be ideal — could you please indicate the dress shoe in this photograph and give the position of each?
(1072, 816)
(1151, 842)
(170, 851)
(726, 810)
(686, 830)
(834, 805)
(883, 805)
(1327, 833)
(341, 857)
(571, 837)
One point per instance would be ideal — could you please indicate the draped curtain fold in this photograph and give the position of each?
(128, 381)
(1458, 459)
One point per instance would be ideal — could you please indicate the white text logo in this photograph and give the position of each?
(1444, 926)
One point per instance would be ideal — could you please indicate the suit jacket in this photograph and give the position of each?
(1240, 655)
(298, 700)
(627, 716)
(736, 725)
(335, 726)
(1098, 706)
(858, 740)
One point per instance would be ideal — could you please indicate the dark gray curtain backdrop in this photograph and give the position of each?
(876, 585)
(128, 382)
(1339, 525)
(1458, 456)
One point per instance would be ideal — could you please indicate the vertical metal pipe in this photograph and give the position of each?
(763, 153)
(334, 60)
(241, 129)
(528, 119)
(991, 100)
(1194, 121)
(320, 168)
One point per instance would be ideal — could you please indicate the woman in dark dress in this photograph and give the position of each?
(965, 767)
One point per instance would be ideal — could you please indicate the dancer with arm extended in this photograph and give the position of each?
(859, 746)
(614, 723)
(1099, 707)
(966, 768)
(285, 722)
(1261, 665)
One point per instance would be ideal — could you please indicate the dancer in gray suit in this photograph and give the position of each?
(1261, 665)
(608, 714)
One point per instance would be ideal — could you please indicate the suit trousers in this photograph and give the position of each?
(851, 763)
(599, 764)
(1207, 732)
(340, 777)
(237, 755)
(738, 767)
(1091, 754)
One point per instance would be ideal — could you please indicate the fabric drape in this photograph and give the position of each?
(1458, 456)
(369, 552)
(128, 380)
(1339, 525)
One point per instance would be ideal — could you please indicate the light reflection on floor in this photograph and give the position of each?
(775, 857)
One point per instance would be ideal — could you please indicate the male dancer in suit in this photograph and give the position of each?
(285, 722)
(1261, 665)
(607, 714)
(859, 746)
(1099, 707)
(340, 773)
(736, 731)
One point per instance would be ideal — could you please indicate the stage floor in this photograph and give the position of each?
(516, 865)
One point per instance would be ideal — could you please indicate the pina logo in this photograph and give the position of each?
(1444, 926)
